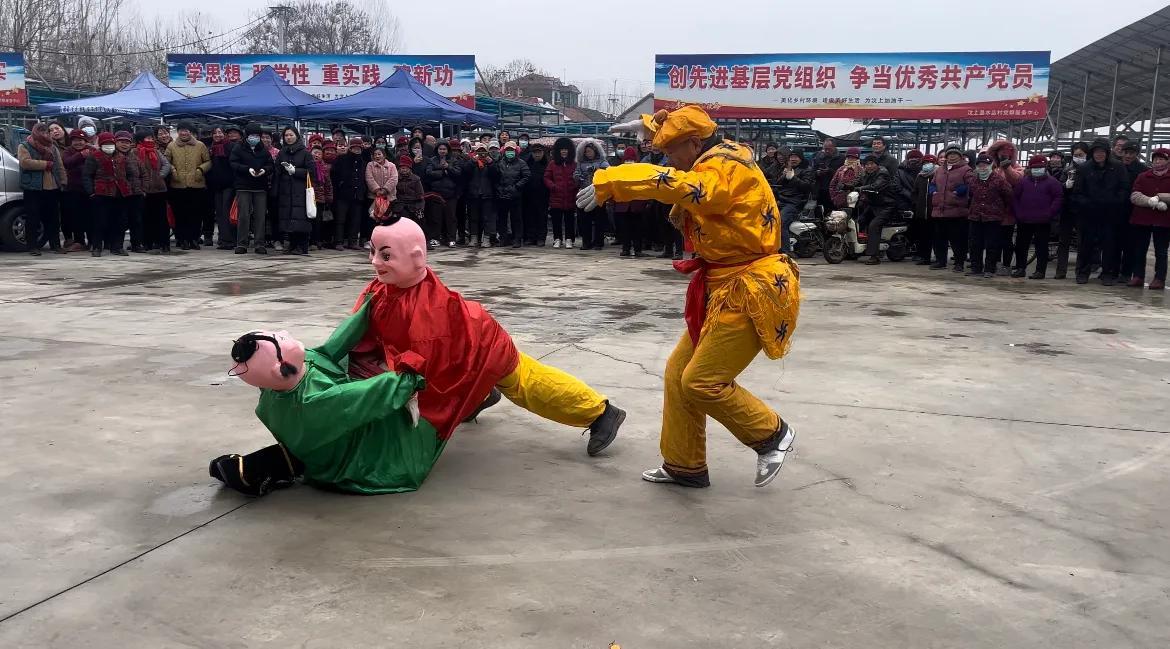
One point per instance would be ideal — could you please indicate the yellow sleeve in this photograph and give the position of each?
(704, 189)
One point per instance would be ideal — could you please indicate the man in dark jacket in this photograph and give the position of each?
(252, 169)
(536, 195)
(1134, 167)
(920, 200)
(442, 176)
(905, 178)
(826, 163)
(792, 190)
(879, 193)
(770, 164)
(1100, 193)
(881, 152)
(481, 196)
(511, 175)
(349, 195)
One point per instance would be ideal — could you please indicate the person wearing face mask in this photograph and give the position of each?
(293, 164)
(89, 127)
(950, 206)
(155, 235)
(511, 176)
(1100, 193)
(1003, 155)
(443, 174)
(190, 160)
(923, 188)
(590, 159)
(1068, 214)
(252, 172)
(1150, 219)
(907, 174)
(845, 178)
(1036, 200)
(42, 175)
(107, 182)
(991, 199)
(525, 152)
(75, 208)
(536, 196)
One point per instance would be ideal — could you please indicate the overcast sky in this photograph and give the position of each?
(596, 43)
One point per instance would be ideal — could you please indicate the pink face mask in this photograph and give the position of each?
(398, 253)
(259, 364)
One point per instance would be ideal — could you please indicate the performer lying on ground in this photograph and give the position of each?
(744, 296)
(342, 412)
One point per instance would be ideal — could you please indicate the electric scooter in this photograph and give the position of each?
(807, 232)
(842, 242)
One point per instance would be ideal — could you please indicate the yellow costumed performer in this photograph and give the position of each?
(744, 295)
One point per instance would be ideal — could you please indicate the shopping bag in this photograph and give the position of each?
(310, 199)
(234, 212)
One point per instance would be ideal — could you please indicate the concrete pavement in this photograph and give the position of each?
(980, 463)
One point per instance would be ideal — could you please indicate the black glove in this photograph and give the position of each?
(848, 187)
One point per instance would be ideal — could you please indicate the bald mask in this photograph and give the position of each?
(260, 363)
(398, 253)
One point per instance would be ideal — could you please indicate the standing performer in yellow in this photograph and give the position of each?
(744, 295)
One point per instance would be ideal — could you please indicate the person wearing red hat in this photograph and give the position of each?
(630, 216)
(107, 180)
(131, 213)
(921, 206)
(152, 234)
(409, 202)
(845, 177)
(991, 199)
(1036, 201)
(1150, 219)
(75, 208)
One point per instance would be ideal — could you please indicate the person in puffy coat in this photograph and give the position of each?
(42, 175)
(950, 205)
(879, 199)
(107, 180)
(920, 204)
(1069, 213)
(536, 197)
(443, 172)
(349, 196)
(630, 216)
(991, 202)
(1003, 159)
(409, 202)
(1151, 219)
(153, 233)
(293, 164)
(846, 175)
(511, 174)
(481, 195)
(1101, 193)
(253, 169)
(590, 158)
(792, 188)
(562, 192)
(74, 201)
(1036, 200)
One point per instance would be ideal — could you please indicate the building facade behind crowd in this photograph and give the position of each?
(244, 189)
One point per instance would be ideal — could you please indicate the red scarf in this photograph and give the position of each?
(148, 154)
(112, 178)
(39, 140)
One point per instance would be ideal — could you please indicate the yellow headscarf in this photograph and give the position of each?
(668, 128)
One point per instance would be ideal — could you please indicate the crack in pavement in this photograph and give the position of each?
(615, 358)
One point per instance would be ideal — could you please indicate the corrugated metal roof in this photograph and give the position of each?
(1136, 48)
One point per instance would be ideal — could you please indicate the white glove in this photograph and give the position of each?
(261, 172)
(587, 198)
(412, 408)
(252, 171)
(788, 174)
(1161, 207)
(634, 126)
(1153, 201)
(851, 198)
(1068, 184)
(288, 167)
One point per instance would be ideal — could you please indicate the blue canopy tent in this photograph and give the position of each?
(140, 98)
(400, 99)
(264, 95)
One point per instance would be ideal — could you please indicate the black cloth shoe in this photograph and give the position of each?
(624, 253)
(1108, 280)
(1082, 279)
(121, 252)
(1037, 275)
(241, 250)
(96, 252)
(1019, 272)
(258, 473)
(604, 429)
(938, 265)
(873, 261)
(492, 399)
(923, 262)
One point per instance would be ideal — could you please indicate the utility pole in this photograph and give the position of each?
(283, 13)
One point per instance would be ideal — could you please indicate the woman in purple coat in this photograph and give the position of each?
(1037, 199)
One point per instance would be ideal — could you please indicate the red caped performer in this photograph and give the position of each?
(468, 356)
(744, 295)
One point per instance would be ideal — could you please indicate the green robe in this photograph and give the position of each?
(353, 435)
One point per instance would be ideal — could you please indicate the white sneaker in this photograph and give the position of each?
(450, 244)
(768, 464)
(557, 243)
(569, 244)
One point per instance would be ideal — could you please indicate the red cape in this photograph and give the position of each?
(464, 351)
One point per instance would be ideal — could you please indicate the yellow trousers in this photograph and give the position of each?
(700, 382)
(551, 393)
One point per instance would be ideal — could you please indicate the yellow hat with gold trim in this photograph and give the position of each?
(688, 121)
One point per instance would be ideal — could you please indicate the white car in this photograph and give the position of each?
(12, 232)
